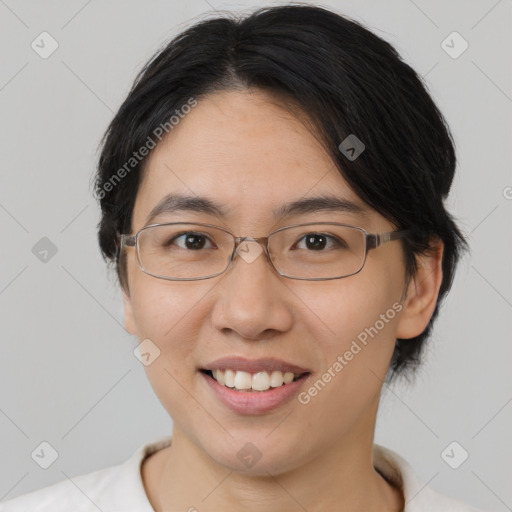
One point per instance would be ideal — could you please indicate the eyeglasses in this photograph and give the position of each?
(314, 251)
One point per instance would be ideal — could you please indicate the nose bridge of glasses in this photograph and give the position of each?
(262, 240)
(249, 248)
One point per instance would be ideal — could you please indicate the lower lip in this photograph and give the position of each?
(254, 402)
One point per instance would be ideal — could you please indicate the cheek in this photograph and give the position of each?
(167, 315)
(355, 319)
(353, 344)
(356, 350)
(163, 313)
(160, 308)
(346, 307)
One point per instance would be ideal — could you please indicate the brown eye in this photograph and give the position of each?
(190, 240)
(319, 241)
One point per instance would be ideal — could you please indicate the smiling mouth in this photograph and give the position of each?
(259, 381)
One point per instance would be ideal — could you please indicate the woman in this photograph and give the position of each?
(272, 198)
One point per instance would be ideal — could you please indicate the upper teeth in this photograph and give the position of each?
(260, 381)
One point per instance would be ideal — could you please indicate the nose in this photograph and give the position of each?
(252, 299)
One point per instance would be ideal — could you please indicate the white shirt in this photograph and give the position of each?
(120, 488)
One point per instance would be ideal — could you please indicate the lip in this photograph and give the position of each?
(253, 365)
(254, 402)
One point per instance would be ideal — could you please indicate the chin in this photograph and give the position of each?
(257, 455)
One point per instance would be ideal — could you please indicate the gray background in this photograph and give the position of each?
(69, 376)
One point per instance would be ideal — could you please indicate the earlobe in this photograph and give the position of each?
(129, 322)
(422, 293)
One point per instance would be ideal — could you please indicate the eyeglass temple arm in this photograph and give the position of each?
(125, 240)
(375, 240)
(128, 240)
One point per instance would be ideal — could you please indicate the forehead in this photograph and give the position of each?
(245, 152)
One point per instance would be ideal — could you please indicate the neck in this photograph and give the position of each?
(341, 478)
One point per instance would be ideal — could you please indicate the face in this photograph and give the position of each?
(242, 151)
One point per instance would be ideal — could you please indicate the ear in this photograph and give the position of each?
(422, 293)
(129, 320)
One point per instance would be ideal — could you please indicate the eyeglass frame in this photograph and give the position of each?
(371, 241)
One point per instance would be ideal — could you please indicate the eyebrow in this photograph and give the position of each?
(323, 203)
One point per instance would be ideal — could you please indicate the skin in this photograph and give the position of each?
(242, 150)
